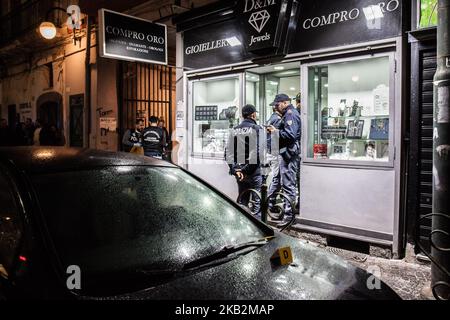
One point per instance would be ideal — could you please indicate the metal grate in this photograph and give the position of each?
(428, 69)
(147, 90)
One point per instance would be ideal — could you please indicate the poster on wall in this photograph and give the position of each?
(130, 38)
(25, 111)
(109, 124)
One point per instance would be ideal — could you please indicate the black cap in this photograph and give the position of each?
(280, 98)
(248, 110)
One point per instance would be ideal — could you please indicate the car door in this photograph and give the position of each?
(11, 231)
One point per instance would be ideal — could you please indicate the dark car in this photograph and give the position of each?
(79, 223)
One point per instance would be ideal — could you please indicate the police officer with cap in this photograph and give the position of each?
(243, 159)
(289, 134)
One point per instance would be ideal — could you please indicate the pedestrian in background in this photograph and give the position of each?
(167, 146)
(133, 137)
(6, 136)
(37, 132)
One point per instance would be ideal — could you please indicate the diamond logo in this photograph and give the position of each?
(258, 20)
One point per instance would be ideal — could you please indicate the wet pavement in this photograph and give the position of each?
(408, 277)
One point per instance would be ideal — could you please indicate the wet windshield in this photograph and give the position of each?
(119, 220)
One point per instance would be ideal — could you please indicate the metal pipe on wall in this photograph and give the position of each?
(440, 239)
(87, 108)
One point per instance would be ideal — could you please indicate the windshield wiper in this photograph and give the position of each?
(226, 252)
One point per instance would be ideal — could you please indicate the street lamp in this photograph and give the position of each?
(47, 30)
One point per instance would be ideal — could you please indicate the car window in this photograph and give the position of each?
(10, 226)
(127, 218)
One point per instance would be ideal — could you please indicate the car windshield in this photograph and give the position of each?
(120, 220)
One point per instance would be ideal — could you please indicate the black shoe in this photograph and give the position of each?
(276, 217)
(283, 223)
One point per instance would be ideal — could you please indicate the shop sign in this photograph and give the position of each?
(133, 39)
(218, 44)
(331, 23)
(262, 23)
(259, 26)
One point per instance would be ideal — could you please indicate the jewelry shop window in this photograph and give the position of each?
(215, 110)
(349, 111)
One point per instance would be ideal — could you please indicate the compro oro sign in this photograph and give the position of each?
(133, 39)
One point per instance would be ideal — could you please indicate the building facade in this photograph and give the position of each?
(348, 61)
(90, 99)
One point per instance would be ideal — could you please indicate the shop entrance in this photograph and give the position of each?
(146, 90)
(49, 109)
(264, 83)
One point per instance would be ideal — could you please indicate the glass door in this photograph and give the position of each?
(264, 83)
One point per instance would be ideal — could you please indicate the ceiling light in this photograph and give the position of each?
(355, 78)
(292, 88)
(278, 68)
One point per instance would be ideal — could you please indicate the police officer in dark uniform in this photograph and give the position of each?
(133, 138)
(243, 157)
(153, 139)
(290, 135)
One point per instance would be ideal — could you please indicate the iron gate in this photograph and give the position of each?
(146, 90)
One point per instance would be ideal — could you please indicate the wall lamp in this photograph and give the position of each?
(48, 30)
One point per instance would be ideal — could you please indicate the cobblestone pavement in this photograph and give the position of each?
(408, 277)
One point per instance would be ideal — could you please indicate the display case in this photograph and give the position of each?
(349, 111)
(215, 110)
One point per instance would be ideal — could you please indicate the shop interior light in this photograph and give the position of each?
(226, 13)
(292, 88)
(233, 41)
(326, 85)
(355, 78)
(47, 30)
(278, 68)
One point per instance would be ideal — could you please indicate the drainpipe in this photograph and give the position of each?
(87, 90)
(440, 238)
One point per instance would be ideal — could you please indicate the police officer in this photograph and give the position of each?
(153, 139)
(243, 158)
(273, 157)
(133, 137)
(290, 135)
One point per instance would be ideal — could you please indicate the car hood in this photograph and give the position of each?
(315, 274)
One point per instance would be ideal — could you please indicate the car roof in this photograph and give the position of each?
(38, 160)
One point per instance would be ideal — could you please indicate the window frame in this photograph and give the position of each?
(191, 111)
(306, 113)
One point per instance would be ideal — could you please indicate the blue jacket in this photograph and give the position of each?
(291, 130)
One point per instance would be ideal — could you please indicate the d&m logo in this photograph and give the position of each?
(258, 19)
